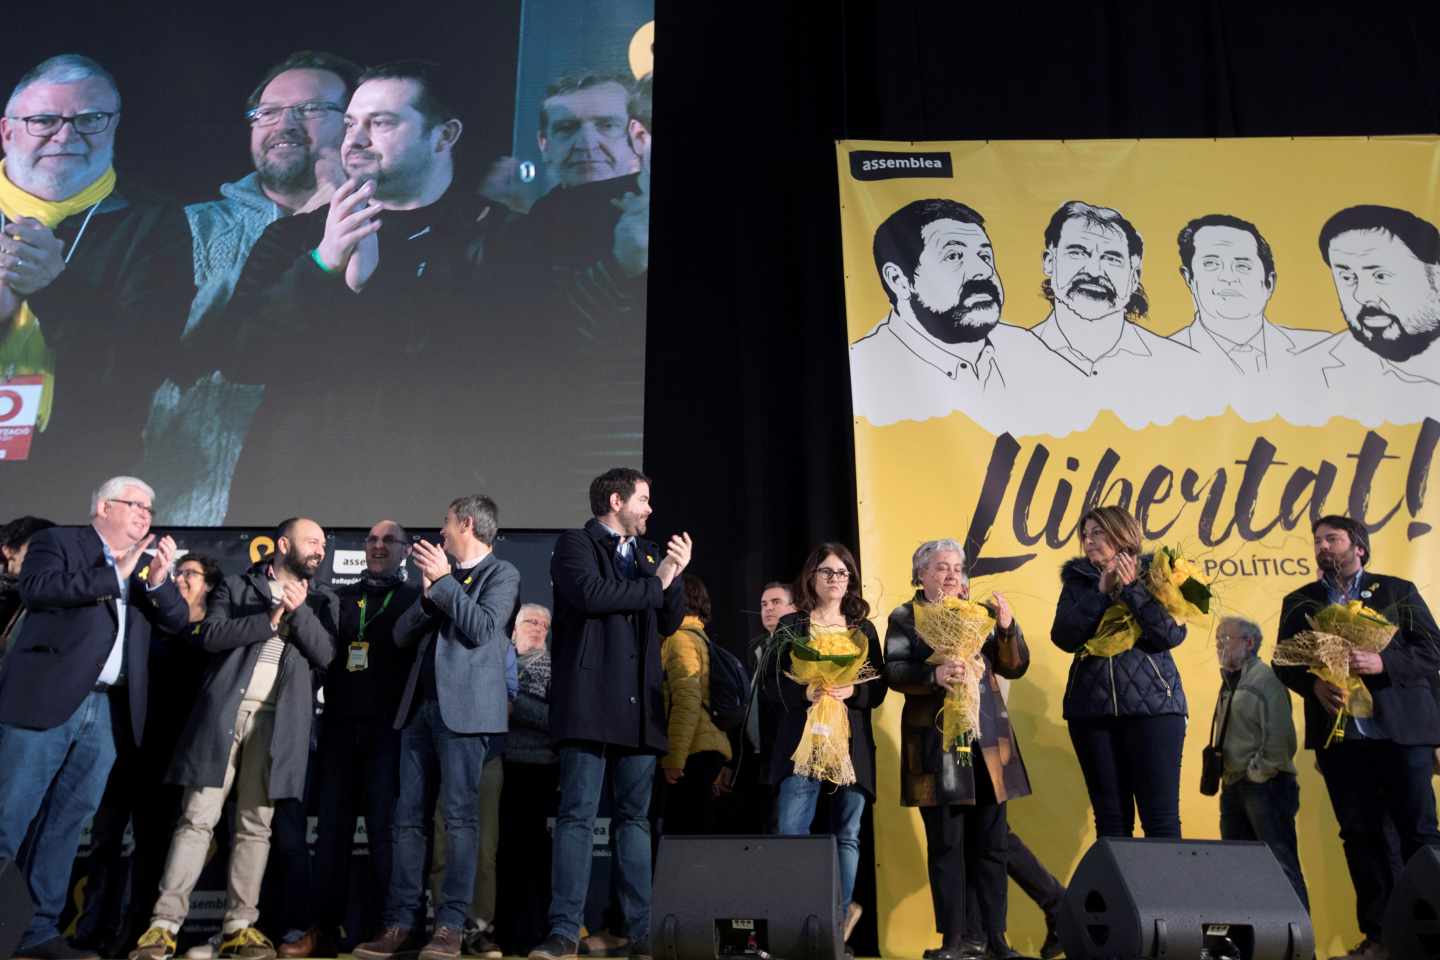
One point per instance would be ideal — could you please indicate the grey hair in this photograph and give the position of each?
(1247, 628)
(64, 68)
(115, 486)
(534, 606)
(927, 551)
(482, 513)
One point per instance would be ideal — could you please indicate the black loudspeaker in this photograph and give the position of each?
(15, 908)
(746, 897)
(1412, 918)
(1185, 900)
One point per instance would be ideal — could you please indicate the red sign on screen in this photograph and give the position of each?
(19, 413)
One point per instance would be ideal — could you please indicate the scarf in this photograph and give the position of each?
(22, 348)
(376, 584)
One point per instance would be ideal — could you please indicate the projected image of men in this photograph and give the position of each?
(584, 131)
(1386, 266)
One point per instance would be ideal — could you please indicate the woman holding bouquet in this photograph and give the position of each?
(828, 651)
(1124, 701)
(944, 653)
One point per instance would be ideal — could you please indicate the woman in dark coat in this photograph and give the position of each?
(961, 795)
(1126, 712)
(827, 594)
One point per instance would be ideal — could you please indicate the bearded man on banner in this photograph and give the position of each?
(943, 348)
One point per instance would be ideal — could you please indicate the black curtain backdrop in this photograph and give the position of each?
(748, 430)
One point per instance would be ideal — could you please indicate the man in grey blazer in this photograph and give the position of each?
(454, 703)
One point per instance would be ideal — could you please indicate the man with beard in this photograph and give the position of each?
(358, 760)
(943, 347)
(1377, 769)
(94, 282)
(269, 630)
(378, 282)
(296, 118)
(1386, 266)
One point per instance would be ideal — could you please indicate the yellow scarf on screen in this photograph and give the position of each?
(22, 346)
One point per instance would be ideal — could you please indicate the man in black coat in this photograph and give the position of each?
(79, 665)
(1376, 769)
(269, 630)
(616, 596)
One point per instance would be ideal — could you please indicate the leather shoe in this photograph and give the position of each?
(56, 948)
(312, 943)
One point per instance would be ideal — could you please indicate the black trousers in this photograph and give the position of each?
(965, 847)
(357, 773)
(522, 860)
(1030, 875)
(1373, 783)
(688, 805)
(1131, 762)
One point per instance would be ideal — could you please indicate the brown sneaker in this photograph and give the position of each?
(247, 943)
(444, 945)
(393, 941)
(157, 943)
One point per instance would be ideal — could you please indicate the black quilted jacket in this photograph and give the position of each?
(1142, 681)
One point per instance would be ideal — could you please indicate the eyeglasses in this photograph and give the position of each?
(387, 541)
(144, 508)
(49, 124)
(831, 574)
(307, 110)
(183, 574)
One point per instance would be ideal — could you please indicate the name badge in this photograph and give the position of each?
(359, 657)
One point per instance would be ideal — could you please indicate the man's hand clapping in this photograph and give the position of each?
(31, 256)
(677, 558)
(126, 563)
(163, 560)
(350, 243)
(431, 561)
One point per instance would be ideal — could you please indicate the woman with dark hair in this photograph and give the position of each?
(1126, 709)
(698, 748)
(827, 597)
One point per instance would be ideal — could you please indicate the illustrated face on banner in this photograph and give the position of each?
(1388, 295)
(1091, 270)
(286, 153)
(955, 292)
(62, 163)
(1226, 276)
(388, 141)
(586, 136)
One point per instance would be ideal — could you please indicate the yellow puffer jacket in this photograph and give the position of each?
(686, 656)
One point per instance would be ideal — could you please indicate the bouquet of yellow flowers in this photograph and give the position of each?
(1335, 631)
(1175, 583)
(956, 629)
(828, 658)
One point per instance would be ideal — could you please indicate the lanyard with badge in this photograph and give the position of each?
(359, 658)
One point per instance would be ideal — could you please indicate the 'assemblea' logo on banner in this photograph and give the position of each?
(872, 165)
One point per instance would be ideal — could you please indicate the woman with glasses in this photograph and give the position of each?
(827, 598)
(1126, 708)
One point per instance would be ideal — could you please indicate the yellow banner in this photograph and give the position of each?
(1229, 338)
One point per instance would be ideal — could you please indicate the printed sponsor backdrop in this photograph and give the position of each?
(1003, 442)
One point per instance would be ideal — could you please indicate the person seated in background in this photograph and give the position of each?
(698, 748)
(1259, 795)
(14, 540)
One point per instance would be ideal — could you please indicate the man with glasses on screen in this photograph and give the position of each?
(296, 118)
(94, 281)
(379, 284)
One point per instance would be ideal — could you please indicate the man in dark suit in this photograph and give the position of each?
(92, 597)
(269, 631)
(1376, 769)
(616, 596)
(454, 704)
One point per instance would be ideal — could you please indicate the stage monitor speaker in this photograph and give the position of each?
(1184, 900)
(15, 908)
(1412, 919)
(746, 896)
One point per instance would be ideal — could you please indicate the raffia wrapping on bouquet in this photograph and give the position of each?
(1325, 649)
(956, 629)
(829, 657)
(1175, 583)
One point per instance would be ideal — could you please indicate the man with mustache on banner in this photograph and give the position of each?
(92, 281)
(1092, 266)
(296, 119)
(943, 347)
(1386, 367)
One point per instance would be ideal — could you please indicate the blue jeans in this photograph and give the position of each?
(795, 808)
(436, 763)
(54, 779)
(582, 776)
(1266, 812)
